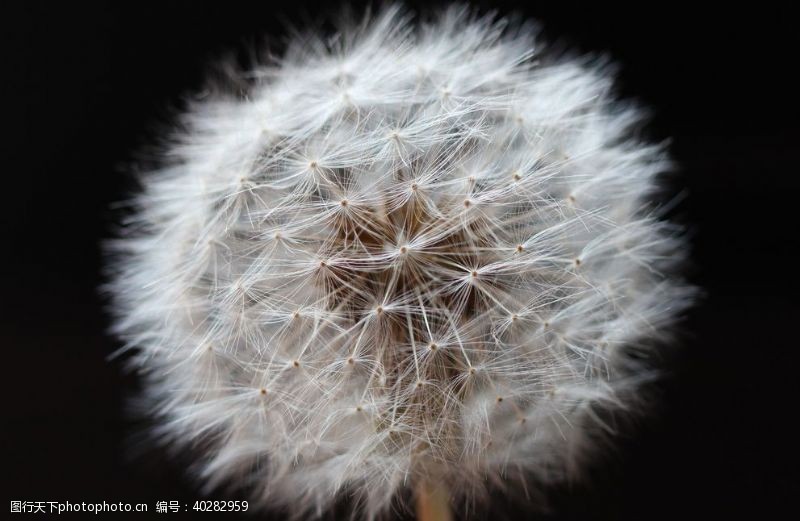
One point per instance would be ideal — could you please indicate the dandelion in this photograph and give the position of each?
(416, 260)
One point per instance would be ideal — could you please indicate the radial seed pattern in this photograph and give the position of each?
(417, 252)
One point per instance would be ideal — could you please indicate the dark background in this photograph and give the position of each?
(84, 87)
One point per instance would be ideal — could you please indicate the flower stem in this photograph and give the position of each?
(433, 502)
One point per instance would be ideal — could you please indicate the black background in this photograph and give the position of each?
(84, 87)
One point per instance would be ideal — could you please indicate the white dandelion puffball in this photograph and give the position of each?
(412, 253)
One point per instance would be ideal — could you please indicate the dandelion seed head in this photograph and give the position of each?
(432, 266)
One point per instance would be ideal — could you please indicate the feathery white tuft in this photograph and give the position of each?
(410, 253)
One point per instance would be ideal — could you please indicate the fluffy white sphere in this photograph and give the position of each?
(413, 253)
